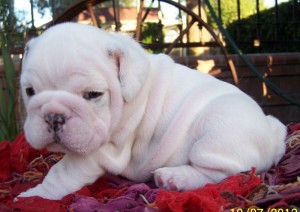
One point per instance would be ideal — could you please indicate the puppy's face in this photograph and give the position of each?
(71, 90)
(75, 81)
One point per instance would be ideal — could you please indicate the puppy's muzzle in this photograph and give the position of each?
(55, 122)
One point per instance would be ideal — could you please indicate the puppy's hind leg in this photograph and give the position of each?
(180, 178)
(208, 163)
(203, 169)
(228, 140)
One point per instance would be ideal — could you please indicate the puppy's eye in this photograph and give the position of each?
(30, 91)
(92, 95)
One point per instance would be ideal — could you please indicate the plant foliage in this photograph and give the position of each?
(152, 33)
(8, 123)
(229, 10)
(267, 30)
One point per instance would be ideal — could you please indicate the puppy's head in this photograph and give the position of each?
(75, 81)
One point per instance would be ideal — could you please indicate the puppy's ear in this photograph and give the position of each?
(133, 67)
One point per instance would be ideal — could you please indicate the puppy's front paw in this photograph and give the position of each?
(38, 191)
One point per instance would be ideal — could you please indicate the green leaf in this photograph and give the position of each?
(8, 121)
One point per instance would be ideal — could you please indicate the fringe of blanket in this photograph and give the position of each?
(23, 168)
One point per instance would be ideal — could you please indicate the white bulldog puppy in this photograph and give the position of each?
(112, 107)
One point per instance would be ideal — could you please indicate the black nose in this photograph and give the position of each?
(55, 121)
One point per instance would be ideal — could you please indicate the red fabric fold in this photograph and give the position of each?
(5, 172)
(212, 197)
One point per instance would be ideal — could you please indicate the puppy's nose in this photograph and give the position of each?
(55, 121)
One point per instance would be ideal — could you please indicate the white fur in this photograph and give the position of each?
(155, 116)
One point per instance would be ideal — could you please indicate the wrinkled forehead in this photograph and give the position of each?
(67, 43)
(57, 57)
(64, 50)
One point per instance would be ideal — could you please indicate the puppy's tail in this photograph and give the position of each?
(279, 132)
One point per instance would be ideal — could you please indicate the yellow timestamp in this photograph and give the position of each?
(263, 210)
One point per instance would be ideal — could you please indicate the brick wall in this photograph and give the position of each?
(282, 69)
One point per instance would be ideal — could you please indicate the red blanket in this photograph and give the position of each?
(23, 167)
